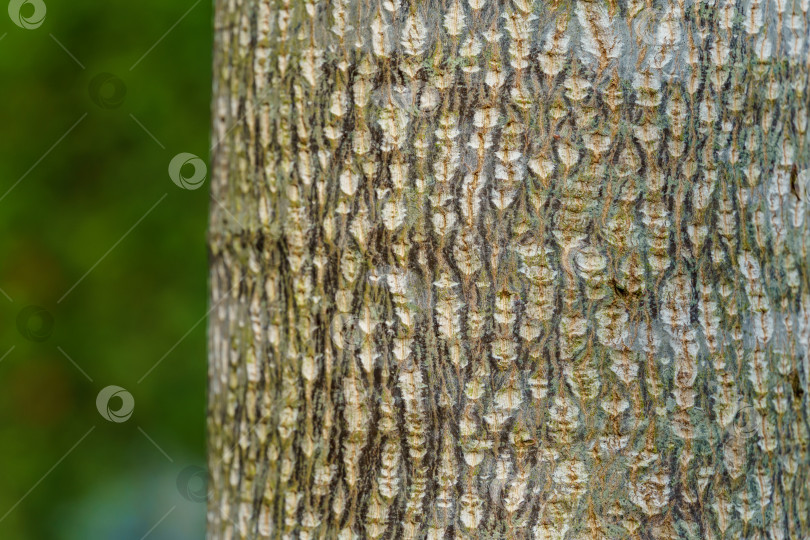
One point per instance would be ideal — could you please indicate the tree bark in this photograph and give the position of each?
(510, 270)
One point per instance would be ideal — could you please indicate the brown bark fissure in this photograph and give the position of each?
(510, 270)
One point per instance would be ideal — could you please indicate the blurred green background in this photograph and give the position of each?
(69, 198)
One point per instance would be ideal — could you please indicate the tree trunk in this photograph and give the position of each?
(510, 270)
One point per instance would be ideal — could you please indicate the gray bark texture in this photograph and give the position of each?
(510, 269)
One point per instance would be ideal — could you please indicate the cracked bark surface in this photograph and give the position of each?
(510, 270)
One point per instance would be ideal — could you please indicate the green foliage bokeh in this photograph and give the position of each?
(142, 297)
